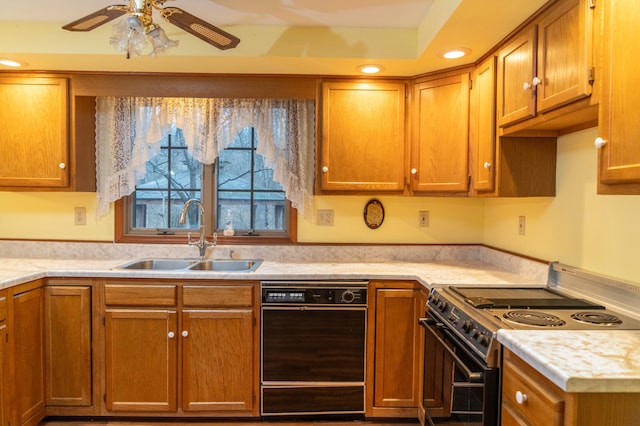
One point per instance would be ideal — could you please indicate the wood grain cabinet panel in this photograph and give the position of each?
(4, 356)
(362, 136)
(482, 127)
(394, 340)
(28, 355)
(218, 360)
(619, 114)
(35, 135)
(548, 66)
(141, 360)
(440, 136)
(68, 316)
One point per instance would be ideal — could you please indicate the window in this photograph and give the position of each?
(239, 185)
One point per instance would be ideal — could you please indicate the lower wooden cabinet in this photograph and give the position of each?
(394, 342)
(68, 366)
(4, 369)
(27, 349)
(181, 349)
(529, 398)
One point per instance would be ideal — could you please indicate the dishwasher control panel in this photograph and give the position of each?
(315, 293)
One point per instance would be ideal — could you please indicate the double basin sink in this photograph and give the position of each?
(217, 265)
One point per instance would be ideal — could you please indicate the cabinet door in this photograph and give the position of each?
(564, 54)
(619, 158)
(440, 142)
(141, 349)
(4, 375)
(218, 361)
(482, 126)
(397, 349)
(34, 135)
(28, 332)
(516, 67)
(363, 142)
(68, 345)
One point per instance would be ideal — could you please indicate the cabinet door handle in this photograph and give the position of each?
(185, 333)
(62, 165)
(532, 85)
(171, 335)
(521, 398)
(414, 171)
(325, 169)
(486, 165)
(599, 142)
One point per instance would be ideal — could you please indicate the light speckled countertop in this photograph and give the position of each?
(611, 362)
(580, 361)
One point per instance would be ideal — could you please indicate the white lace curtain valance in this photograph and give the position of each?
(129, 131)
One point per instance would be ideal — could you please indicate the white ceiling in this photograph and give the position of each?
(277, 36)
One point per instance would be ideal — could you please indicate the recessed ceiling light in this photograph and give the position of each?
(455, 53)
(10, 63)
(370, 69)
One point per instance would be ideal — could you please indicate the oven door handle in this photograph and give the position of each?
(472, 376)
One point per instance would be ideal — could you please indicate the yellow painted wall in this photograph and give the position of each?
(50, 216)
(600, 233)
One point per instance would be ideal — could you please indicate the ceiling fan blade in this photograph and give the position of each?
(96, 19)
(199, 28)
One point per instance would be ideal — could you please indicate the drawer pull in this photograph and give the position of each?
(171, 335)
(185, 333)
(521, 398)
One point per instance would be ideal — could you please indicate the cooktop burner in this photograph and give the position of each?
(596, 318)
(527, 317)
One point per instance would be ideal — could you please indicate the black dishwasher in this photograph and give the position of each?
(313, 347)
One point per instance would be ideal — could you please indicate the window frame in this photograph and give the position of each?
(124, 234)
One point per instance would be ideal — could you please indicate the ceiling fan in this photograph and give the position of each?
(139, 25)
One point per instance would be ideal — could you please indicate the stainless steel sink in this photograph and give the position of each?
(219, 265)
(159, 264)
(242, 265)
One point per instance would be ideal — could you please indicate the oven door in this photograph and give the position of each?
(458, 387)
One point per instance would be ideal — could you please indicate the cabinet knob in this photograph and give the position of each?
(62, 165)
(171, 335)
(486, 165)
(599, 142)
(414, 171)
(185, 333)
(325, 169)
(521, 398)
(532, 85)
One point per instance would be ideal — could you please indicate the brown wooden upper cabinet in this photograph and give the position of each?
(619, 133)
(548, 64)
(35, 135)
(362, 136)
(440, 135)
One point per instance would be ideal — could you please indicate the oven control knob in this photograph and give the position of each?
(467, 325)
(475, 333)
(483, 340)
(348, 296)
(442, 305)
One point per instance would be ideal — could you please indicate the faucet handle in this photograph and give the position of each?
(189, 241)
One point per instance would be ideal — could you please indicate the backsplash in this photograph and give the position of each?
(531, 269)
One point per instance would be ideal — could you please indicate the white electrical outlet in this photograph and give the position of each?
(325, 217)
(79, 216)
(423, 218)
(521, 225)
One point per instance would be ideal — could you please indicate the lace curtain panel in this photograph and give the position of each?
(129, 131)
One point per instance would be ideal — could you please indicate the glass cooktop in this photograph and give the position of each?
(520, 297)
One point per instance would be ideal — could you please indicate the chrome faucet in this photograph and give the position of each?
(202, 242)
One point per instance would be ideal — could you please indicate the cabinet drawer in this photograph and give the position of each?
(228, 296)
(3, 305)
(140, 295)
(542, 404)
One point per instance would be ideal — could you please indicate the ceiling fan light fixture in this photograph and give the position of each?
(133, 36)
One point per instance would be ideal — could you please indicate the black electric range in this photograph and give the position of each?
(476, 313)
